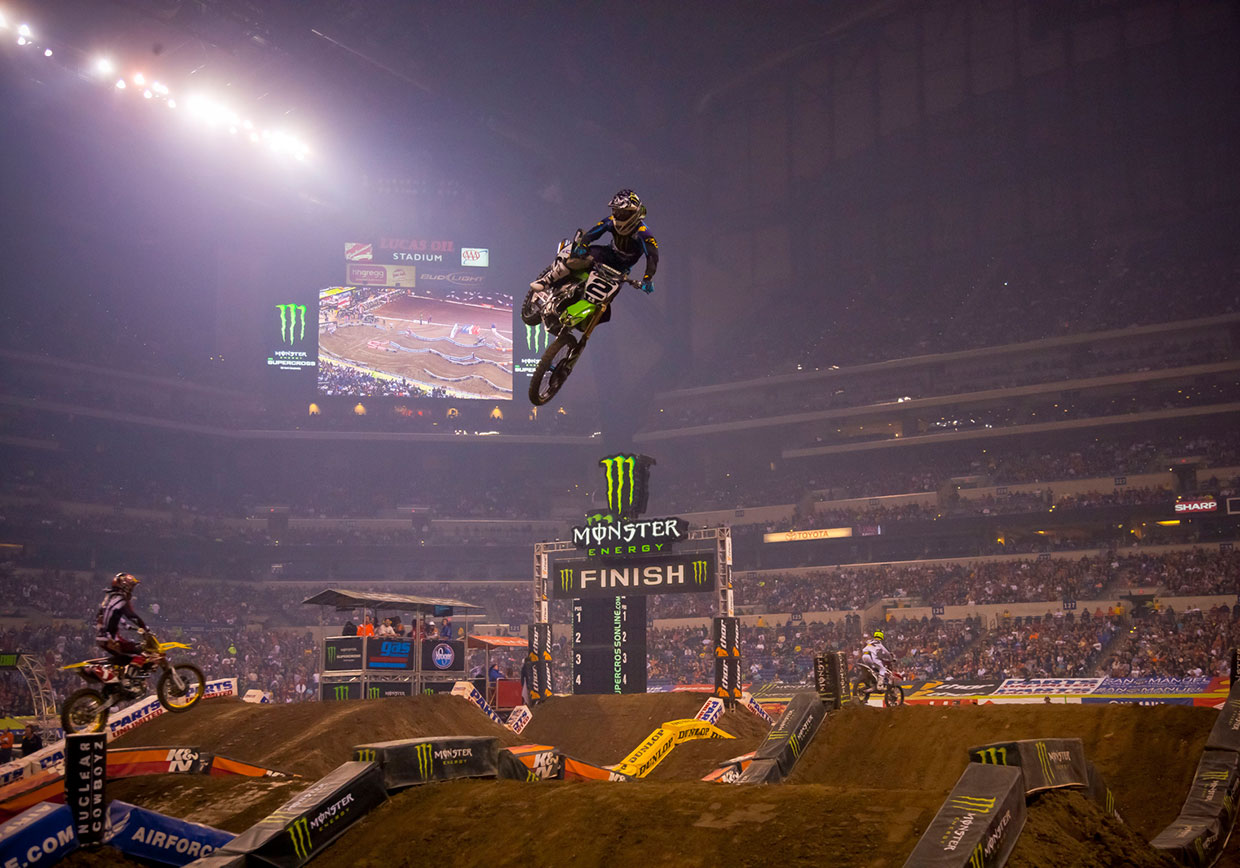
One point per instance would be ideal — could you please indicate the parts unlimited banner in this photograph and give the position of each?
(588, 578)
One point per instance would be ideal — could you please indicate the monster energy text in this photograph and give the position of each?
(290, 316)
(644, 532)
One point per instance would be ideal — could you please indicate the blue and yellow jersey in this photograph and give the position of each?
(630, 247)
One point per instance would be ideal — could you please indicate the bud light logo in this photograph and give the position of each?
(443, 656)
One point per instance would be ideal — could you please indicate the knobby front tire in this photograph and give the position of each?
(84, 711)
(553, 368)
(195, 685)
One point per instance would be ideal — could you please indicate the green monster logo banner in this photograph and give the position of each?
(628, 483)
(291, 317)
(537, 338)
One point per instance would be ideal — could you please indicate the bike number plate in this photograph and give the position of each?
(599, 290)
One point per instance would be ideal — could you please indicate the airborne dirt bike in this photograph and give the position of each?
(179, 687)
(578, 303)
(889, 687)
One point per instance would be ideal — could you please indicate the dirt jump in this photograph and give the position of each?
(862, 794)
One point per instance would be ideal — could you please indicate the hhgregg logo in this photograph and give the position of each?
(290, 316)
(443, 656)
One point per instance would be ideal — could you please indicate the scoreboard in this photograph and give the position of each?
(609, 645)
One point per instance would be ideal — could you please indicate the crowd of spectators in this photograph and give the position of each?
(336, 379)
(1174, 644)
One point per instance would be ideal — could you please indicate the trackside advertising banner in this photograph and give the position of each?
(793, 731)
(86, 774)
(421, 760)
(1226, 732)
(978, 825)
(153, 837)
(584, 579)
(1047, 763)
(304, 825)
(43, 834)
(1215, 787)
(52, 757)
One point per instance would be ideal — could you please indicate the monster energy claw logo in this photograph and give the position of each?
(973, 804)
(700, 570)
(373, 692)
(566, 579)
(537, 338)
(996, 756)
(290, 316)
(977, 859)
(342, 691)
(1044, 760)
(426, 760)
(331, 653)
(300, 833)
(365, 755)
(619, 468)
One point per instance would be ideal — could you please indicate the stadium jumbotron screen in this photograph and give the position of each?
(415, 317)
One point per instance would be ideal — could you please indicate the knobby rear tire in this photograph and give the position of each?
(195, 687)
(529, 315)
(554, 366)
(76, 714)
(894, 696)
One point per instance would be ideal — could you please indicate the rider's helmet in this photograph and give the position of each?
(878, 635)
(627, 211)
(125, 583)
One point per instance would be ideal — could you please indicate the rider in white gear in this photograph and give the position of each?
(875, 656)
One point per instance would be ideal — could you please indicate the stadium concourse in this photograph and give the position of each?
(862, 794)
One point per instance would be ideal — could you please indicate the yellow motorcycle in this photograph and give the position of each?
(179, 687)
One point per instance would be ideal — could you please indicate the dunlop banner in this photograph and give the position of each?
(978, 825)
(793, 731)
(422, 760)
(297, 832)
(648, 754)
(1049, 763)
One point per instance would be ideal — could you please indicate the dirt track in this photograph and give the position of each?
(863, 793)
(350, 342)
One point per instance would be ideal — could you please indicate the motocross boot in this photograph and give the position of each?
(558, 271)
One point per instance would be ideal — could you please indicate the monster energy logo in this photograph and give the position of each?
(290, 316)
(996, 756)
(537, 338)
(566, 579)
(342, 691)
(372, 692)
(700, 571)
(426, 760)
(1110, 801)
(618, 469)
(300, 833)
(1044, 760)
(795, 744)
(331, 653)
(977, 859)
(972, 804)
(1214, 776)
(365, 755)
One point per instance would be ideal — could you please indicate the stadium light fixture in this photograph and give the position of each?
(4, 24)
(146, 94)
(21, 40)
(47, 52)
(172, 103)
(120, 84)
(24, 30)
(159, 88)
(139, 79)
(103, 66)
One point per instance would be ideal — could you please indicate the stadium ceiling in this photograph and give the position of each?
(391, 602)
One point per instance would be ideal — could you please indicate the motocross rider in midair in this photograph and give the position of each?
(630, 240)
(116, 608)
(874, 658)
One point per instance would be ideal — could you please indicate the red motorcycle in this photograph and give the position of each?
(179, 687)
(867, 681)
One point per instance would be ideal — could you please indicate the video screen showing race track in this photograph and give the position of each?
(434, 333)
